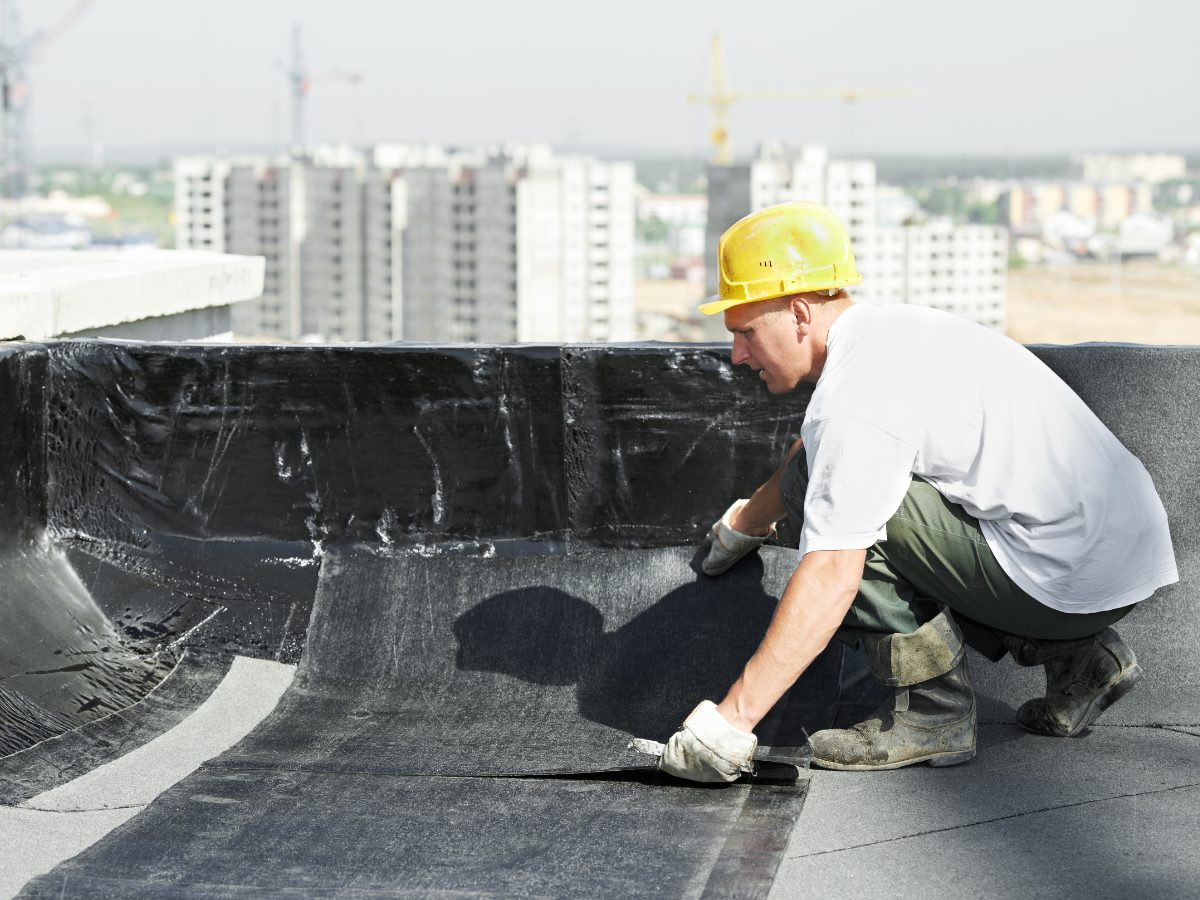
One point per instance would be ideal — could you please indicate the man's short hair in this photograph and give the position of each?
(777, 306)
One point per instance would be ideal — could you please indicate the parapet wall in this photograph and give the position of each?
(405, 446)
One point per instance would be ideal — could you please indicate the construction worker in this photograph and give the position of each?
(948, 488)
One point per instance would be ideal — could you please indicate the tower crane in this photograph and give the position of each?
(722, 98)
(17, 50)
(300, 81)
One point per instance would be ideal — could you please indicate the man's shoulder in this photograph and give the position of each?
(868, 315)
(920, 333)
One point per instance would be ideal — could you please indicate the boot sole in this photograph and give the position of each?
(934, 759)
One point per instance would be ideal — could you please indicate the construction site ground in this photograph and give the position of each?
(1144, 303)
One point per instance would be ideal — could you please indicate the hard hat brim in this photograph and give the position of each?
(715, 304)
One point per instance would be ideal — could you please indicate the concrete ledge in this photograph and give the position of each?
(50, 294)
(213, 322)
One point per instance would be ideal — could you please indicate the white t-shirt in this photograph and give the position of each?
(1070, 514)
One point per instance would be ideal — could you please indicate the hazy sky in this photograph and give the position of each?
(1009, 78)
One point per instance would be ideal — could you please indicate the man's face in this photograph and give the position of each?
(774, 346)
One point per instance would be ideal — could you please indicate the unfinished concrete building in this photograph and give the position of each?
(259, 203)
(962, 269)
(304, 216)
(421, 244)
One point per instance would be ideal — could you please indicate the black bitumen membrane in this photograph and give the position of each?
(298, 834)
(522, 666)
(485, 562)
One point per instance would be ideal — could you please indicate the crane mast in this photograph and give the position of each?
(17, 50)
(300, 81)
(15, 162)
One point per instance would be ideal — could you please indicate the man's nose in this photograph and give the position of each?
(740, 354)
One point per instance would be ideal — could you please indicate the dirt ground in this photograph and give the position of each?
(1047, 304)
(1151, 304)
(666, 310)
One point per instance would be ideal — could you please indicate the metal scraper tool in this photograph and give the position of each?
(795, 756)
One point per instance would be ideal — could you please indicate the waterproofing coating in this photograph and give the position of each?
(230, 835)
(482, 604)
(22, 452)
(523, 665)
(496, 548)
(405, 445)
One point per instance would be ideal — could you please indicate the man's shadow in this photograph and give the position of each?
(646, 676)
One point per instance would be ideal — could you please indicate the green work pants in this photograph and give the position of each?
(935, 554)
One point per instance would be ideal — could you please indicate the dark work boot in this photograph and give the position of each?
(1083, 678)
(930, 716)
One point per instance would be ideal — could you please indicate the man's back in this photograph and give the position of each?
(1070, 514)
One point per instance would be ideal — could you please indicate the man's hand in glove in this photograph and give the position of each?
(728, 545)
(707, 748)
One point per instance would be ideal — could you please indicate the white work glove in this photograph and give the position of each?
(728, 546)
(707, 748)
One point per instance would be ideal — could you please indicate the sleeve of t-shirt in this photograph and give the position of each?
(857, 476)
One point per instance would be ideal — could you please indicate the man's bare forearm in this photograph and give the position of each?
(812, 609)
(766, 506)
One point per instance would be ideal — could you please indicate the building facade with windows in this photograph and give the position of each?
(962, 269)
(419, 243)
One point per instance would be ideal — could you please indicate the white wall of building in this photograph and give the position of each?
(1152, 168)
(673, 209)
(575, 234)
(200, 203)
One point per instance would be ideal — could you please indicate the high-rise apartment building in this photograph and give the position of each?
(303, 216)
(1152, 168)
(959, 268)
(417, 243)
(260, 222)
(200, 213)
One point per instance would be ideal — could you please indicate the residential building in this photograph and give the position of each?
(1152, 168)
(962, 269)
(200, 203)
(263, 217)
(685, 217)
(1103, 201)
(301, 215)
(419, 243)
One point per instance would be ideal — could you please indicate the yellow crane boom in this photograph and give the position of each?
(721, 99)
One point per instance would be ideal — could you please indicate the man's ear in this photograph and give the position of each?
(804, 316)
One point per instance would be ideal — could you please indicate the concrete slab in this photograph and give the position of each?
(35, 842)
(45, 294)
(1115, 810)
(38, 834)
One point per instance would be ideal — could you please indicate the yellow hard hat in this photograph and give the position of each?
(787, 249)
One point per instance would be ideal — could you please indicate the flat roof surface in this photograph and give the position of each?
(486, 563)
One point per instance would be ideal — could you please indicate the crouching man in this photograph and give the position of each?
(948, 488)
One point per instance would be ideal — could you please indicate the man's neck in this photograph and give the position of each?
(823, 321)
